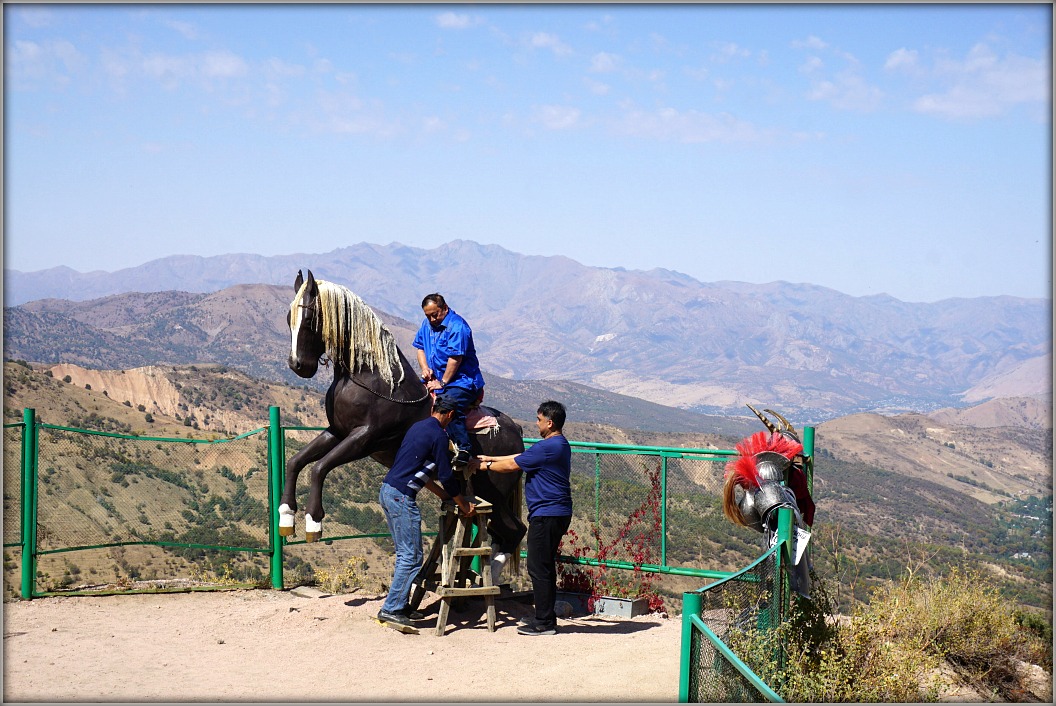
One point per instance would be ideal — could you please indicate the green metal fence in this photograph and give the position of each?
(87, 509)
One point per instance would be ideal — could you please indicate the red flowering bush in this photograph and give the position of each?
(636, 542)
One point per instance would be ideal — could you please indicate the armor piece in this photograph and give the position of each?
(749, 512)
(754, 480)
(772, 466)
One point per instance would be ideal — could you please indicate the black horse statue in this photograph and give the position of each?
(374, 398)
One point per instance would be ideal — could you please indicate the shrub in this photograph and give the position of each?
(893, 649)
(338, 579)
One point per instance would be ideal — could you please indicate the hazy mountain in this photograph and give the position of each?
(657, 335)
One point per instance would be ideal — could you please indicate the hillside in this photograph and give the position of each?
(657, 335)
(884, 486)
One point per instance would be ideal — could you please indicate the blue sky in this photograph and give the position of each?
(871, 149)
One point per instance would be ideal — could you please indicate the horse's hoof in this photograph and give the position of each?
(286, 517)
(313, 531)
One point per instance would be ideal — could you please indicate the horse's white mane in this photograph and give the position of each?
(353, 334)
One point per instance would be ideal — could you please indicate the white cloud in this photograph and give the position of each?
(811, 42)
(725, 51)
(185, 29)
(847, 91)
(688, 126)
(53, 61)
(812, 64)
(282, 69)
(596, 87)
(603, 62)
(545, 40)
(901, 59)
(452, 20)
(35, 17)
(984, 84)
(223, 64)
(556, 117)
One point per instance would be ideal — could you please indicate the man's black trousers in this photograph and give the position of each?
(544, 536)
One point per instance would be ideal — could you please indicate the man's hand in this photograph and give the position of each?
(467, 509)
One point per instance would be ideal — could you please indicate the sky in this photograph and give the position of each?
(872, 149)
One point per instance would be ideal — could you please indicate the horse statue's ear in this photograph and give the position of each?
(299, 281)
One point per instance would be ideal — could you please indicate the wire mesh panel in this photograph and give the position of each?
(107, 490)
(12, 508)
(740, 612)
(13, 484)
(350, 501)
(698, 534)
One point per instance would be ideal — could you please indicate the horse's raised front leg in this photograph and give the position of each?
(316, 449)
(351, 448)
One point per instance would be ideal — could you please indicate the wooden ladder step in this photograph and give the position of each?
(449, 592)
(471, 551)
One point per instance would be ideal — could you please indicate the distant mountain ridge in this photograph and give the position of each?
(658, 335)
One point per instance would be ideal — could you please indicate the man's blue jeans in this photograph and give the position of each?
(463, 397)
(405, 525)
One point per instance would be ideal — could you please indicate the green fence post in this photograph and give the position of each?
(663, 509)
(808, 456)
(597, 496)
(691, 605)
(29, 502)
(276, 467)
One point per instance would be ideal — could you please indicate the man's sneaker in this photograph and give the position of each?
(397, 618)
(535, 628)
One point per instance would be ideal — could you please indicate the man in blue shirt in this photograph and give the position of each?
(448, 362)
(547, 467)
(422, 460)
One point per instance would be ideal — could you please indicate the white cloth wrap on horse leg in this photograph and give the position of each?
(498, 563)
(311, 525)
(286, 516)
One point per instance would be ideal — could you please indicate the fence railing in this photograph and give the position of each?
(153, 508)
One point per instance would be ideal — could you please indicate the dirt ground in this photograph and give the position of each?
(265, 645)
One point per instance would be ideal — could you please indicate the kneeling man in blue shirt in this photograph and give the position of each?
(423, 459)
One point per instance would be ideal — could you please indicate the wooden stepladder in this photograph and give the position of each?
(455, 555)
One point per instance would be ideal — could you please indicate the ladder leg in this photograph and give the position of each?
(485, 570)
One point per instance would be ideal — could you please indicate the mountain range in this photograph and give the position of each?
(654, 335)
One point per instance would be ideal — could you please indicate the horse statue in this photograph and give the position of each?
(374, 398)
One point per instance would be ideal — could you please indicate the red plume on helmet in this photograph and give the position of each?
(744, 466)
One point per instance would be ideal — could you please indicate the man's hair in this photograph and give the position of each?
(555, 412)
(435, 298)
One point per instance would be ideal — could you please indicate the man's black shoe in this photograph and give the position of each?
(398, 618)
(412, 614)
(534, 628)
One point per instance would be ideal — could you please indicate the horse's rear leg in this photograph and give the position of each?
(316, 449)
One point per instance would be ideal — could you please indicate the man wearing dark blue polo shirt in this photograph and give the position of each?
(448, 362)
(547, 467)
(422, 460)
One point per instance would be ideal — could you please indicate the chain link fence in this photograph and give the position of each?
(168, 511)
(728, 645)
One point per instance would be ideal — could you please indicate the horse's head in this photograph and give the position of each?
(305, 322)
